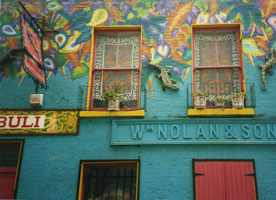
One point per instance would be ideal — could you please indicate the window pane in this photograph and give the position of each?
(216, 82)
(9, 153)
(125, 79)
(205, 50)
(125, 55)
(228, 49)
(117, 50)
(128, 56)
(105, 53)
(110, 182)
(110, 52)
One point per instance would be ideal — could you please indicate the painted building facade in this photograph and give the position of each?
(156, 56)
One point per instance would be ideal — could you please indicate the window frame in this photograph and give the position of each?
(107, 163)
(225, 161)
(18, 165)
(115, 29)
(214, 28)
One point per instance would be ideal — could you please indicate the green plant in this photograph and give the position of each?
(238, 93)
(201, 93)
(219, 98)
(113, 92)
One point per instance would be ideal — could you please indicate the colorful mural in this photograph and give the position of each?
(166, 31)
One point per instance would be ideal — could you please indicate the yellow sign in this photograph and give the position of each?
(39, 122)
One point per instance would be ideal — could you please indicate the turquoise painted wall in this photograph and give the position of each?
(50, 164)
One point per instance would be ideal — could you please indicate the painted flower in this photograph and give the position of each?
(50, 64)
(246, 32)
(126, 8)
(71, 66)
(164, 5)
(68, 5)
(2, 39)
(163, 49)
(271, 21)
(163, 25)
(8, 30)
(54, 5)
(213, 20)
(195, 11)
(203, 18)
(144, 60)
(177, 71)
(61, 39)
(221, 17)
(182, 48)
(163, 12)
(189, 19)
(47, 44)
(153, 31)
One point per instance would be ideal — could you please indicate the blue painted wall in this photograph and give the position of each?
(50, 164)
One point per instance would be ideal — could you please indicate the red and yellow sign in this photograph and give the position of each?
(39, 122)
(32, 42)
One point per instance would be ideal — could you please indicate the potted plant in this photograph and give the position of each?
(113, 97)
(237, 99)
(219, 101)
(200, 99)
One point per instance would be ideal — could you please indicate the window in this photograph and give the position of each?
(116, 66)
(221, 180)
(217, 65)
(108, 180)
(10, 154)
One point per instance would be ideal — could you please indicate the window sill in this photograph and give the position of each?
(133, 113)
(221, 112)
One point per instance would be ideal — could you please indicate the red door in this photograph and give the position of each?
(7, 181)
(224, 180)
(10, 153)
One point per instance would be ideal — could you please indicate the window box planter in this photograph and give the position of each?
(113, 96)
(113, 104)
(200, 100)
(237, 100)
(220, 101)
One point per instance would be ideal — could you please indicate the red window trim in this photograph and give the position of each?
(114, 69)
(215, 29)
